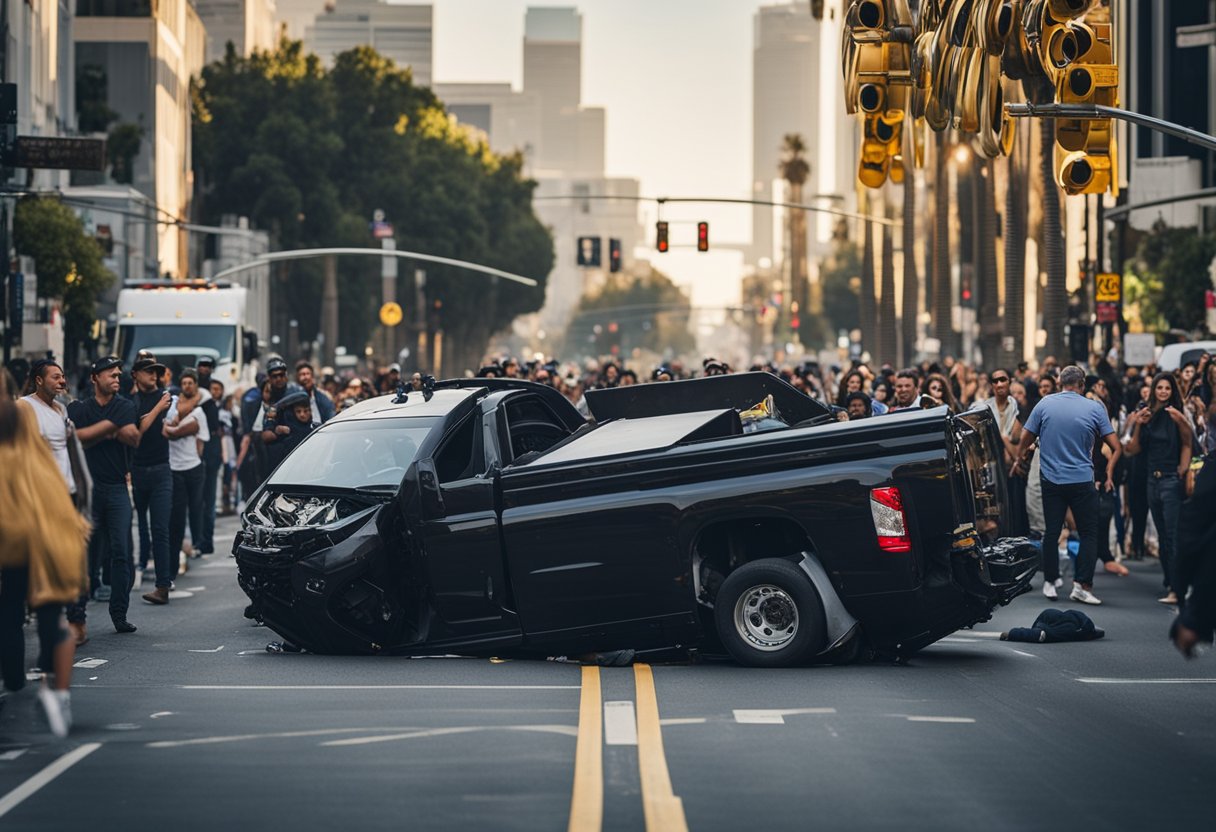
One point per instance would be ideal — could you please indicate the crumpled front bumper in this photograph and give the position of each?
(313, 587)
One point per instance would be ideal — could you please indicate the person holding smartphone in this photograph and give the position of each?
(1162, 432)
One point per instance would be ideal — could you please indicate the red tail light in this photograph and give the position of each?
(890, 522)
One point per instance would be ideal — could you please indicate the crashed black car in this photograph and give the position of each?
(487, 517)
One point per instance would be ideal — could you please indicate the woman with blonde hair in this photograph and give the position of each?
(42, 559)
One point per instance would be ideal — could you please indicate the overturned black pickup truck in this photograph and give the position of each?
(486, 517)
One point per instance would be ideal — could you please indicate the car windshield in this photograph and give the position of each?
(355, 454)
(216, 341)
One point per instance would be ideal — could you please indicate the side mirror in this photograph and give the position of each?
(250, 344)
(428, 487)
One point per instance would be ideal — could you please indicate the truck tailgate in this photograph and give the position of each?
(980, 485)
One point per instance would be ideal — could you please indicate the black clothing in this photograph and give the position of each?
(1195, 566)
(153, 446)
(278, 450)
(1057, 625)
(1082, 498)
(1161, 442)
(107, 459)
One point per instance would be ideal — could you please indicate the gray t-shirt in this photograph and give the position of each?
(1067, 425)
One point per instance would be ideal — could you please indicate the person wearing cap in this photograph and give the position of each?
(151, 480)
(213, 458)
(292, 421)
(392, 378)
(322, 405)
(106, 425)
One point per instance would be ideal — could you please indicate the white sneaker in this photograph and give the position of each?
(1083, 595)
(1059, 582)
(58, 707)
(1050, 591)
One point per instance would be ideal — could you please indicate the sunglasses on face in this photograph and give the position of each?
(999, 380)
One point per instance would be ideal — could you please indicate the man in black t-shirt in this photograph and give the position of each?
(106, 426)
(204, 543)
(151, 480)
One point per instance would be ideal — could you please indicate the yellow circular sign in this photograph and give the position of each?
(391, 314)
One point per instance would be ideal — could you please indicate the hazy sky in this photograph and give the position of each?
(673, 75)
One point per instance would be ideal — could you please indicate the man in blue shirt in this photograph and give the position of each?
(106, 425)
(1067, 425)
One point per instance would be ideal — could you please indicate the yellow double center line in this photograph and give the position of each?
(664, 811)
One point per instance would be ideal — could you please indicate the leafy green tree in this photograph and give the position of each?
(122, 146)
(840, 275)
(68, 261)
(644, 311)
(309, 155)
(1172, 267)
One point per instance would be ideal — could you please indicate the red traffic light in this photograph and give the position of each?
(702, 236)
(614, 254)
(661, 237)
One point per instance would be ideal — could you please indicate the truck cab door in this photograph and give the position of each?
(460, 537)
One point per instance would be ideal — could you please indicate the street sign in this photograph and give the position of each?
(1139, 349)
(1109, 288)
(391, 314)
(1204, 34)
(1108, 313)
(53, 152)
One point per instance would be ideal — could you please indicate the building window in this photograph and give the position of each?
(113, 8)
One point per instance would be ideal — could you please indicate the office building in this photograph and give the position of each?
(246, 24)
(402, 33)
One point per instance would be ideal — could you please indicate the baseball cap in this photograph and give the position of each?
(148, 362)
(394, 368)
(106, 363)
(274, 365)
(205, 361)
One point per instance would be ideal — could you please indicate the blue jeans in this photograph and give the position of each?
(153, 491)
(111, 542)
(1165, 502)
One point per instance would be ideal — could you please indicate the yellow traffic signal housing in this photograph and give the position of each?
(1085, 148)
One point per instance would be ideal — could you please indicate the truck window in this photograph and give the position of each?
(462, 455)
(532, 426)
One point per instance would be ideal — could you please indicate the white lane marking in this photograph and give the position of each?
(774, 716)
(178, 594)
(685, 720)
(981, 633)
(196, 589)
(14, 798)
(251, 652)
(1023, 653)
(952, 720)
(91, 663)
(620, 723)
(216, 650)
(122, 726)
(159, 714)
(956, 640)
(566, 730)
(377, 687)
(13, 753)
(1102, 681)
(321, 732)
(94, 678)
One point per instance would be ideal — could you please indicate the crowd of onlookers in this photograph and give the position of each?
(142, 456)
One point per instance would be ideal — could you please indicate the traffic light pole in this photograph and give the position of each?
(1094, 111)
(663, 200)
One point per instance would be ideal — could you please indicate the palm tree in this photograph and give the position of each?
(868, 307)
(887, 329)
(1055, 296)
(1015, 255)
(907, 323)
(988, 278)
(943, 327)
(795, 170)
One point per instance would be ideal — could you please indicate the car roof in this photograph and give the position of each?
(441, 403)
(1174, 356)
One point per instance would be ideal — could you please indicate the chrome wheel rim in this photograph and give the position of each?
(766, 617)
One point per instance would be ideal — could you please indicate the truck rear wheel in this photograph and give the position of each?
(768, 614)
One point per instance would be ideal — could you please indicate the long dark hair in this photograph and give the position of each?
(842, 392)
(1175, 395)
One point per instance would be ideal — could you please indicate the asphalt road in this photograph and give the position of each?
(190, 723)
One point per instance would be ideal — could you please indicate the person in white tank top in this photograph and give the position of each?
(48, 381)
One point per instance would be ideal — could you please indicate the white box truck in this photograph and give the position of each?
(182, 321)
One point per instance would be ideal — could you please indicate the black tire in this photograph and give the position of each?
(777, 592)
